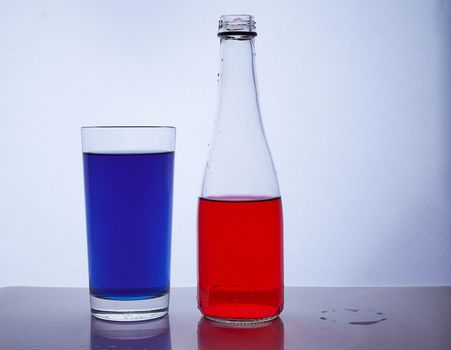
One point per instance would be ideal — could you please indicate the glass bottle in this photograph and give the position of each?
(240, 230)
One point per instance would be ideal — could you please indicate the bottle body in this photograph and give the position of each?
(240, 258)
(240, 225)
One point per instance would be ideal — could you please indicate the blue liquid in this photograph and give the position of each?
(128, 214)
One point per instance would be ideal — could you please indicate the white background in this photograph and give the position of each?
(355, 99)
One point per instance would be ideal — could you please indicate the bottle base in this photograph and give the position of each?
(129, 310)
(240, 321)
(240, 312)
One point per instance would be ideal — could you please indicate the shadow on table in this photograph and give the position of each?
(130, 336)
(219, 336)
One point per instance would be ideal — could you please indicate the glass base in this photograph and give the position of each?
(241, 321)
(130, 310)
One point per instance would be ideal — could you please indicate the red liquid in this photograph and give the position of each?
(240, 251)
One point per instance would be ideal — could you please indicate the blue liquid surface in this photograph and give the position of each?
(128, 214)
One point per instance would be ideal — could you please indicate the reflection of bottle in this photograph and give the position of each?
(240, 211)
(131, 335)
(213, 335)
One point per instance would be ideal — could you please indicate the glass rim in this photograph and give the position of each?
(128, 127)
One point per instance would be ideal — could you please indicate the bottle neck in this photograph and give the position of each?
(238, 96)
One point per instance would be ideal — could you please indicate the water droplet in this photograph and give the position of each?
(352, 310)
(323, 311)
(365, 323)
(323, 318)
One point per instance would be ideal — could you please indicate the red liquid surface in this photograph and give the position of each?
(240, 252)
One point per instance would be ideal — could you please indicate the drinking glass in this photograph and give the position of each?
(128, 173)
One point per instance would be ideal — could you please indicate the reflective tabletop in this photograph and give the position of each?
(33, 318)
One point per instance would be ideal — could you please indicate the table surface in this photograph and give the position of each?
(33, 318)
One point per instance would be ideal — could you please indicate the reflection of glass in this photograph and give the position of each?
(213, 335)
(148, 335)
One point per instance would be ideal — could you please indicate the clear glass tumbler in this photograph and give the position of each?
(128, 174)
